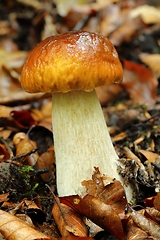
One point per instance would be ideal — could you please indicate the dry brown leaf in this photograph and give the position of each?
(95, 186)
(129, 154)
(5, 111)
(150, 156)
(133, 232)
(126, 31)
(63, 7)
(46, 160)
(139, 82)
(34, 211)
(101, 4)
(153, 213)
(5, 133)
(98, 212)
(149, 14)
(139, 140)
(36, 114)
(152, 61)
(25, 218)
(119, 137)
(20, 96)
(156, 202)
(8, 205)
(9, 60)
(111, 194)
(13, 228)
(4, 154)
(110, 19)
(23, 118)
(68, 221)
(24, 145)
(4, 197)
(146, 224)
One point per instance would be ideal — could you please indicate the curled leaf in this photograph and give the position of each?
(146, 224)
(12, 227)
(68, 221)
(98, 212)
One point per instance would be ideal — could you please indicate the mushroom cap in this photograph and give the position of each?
(75, 60)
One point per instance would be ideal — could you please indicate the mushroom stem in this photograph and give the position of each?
(81, 141)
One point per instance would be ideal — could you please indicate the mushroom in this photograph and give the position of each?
(70, 66)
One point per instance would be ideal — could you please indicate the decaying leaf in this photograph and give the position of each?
(119, 137)
(34, 211)
(112, 193)
(23, 118)
(63, 7)
(126, 31)
(12, 227)
(150, 156)
(146, 224)
(156, 202)
(24, 145)
(68, 221)
(4, 154)
(98, 212)
(152, 213)
(152, 61)
(4, 197)
(133, 232)
(95, 186)
(149, 14)
(47, 160)
(139, 82)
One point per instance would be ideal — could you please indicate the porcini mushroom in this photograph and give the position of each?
(70, 66)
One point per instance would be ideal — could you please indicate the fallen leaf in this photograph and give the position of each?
(126, 31)
(133, 232)
(17, 96)
(4, 154)
(139, 82)
(33, 211)
(119, 137)
(149, 14)
(5, 111)
(156, 202)
(63, 7)
(68, 221)
(4, 197)
(153, 214)
(152, 61)
(150, 156)
(114, 195)
(23, 118)
(24, 145)
(95, 186)
(110, 19)
(98, 212)
(146, 224)
(46, 161)
(12, 227)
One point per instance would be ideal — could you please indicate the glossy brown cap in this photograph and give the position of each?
(71, 61)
